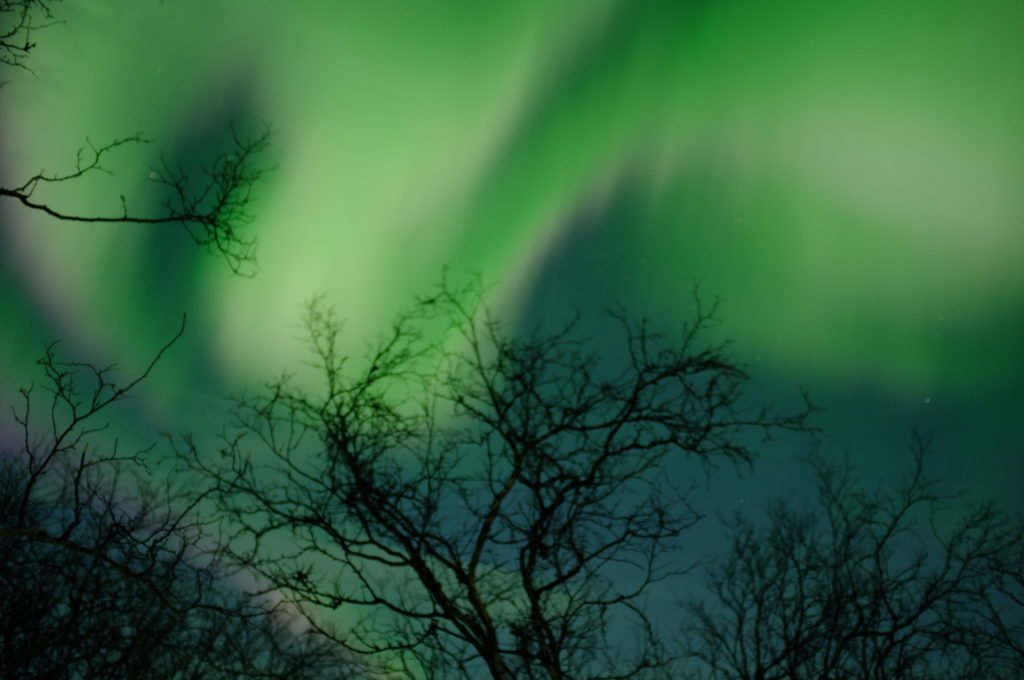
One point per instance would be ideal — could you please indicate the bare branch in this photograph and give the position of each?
(19, 20)
(214, 211)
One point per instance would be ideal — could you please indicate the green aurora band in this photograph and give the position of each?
(846, 176)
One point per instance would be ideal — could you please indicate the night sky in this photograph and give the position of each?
(846, 177)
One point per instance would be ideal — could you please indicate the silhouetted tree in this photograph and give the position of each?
(213, 208)
(104, 573)
(500, 511)
(865, 584)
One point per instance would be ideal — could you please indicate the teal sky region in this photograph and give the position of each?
(845, 176)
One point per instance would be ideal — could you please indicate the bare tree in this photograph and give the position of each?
(865, 584)
(502, 511)
(104, 573)
(213, 208)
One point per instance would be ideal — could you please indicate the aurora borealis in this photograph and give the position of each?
(845, 176)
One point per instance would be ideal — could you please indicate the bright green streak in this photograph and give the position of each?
(846, 175)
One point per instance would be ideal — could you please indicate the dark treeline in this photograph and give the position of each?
(464, 502)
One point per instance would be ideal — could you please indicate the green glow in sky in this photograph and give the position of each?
(847, 176)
